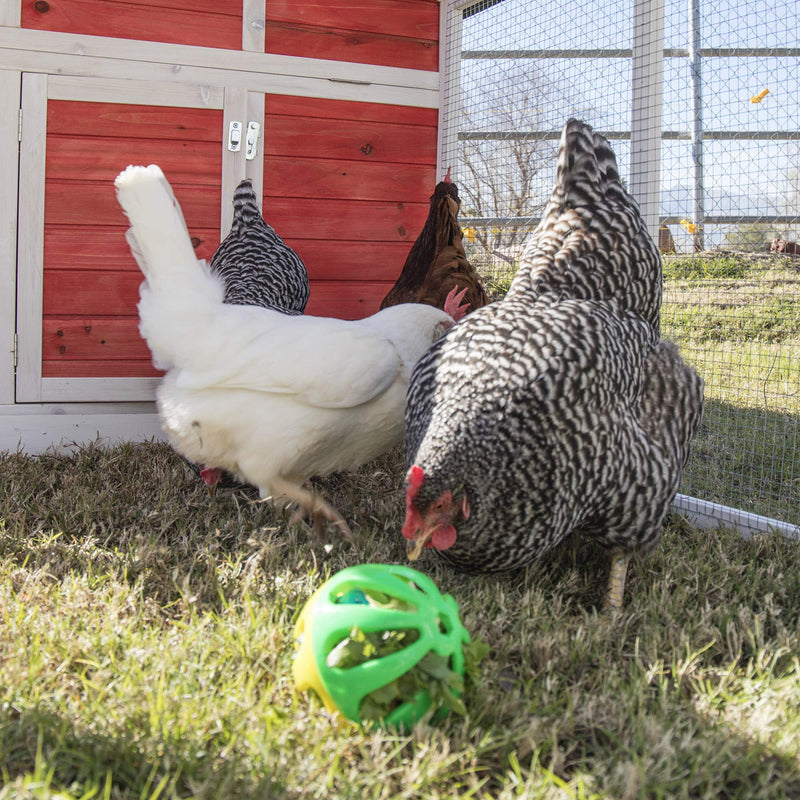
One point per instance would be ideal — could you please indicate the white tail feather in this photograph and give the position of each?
(180, 292)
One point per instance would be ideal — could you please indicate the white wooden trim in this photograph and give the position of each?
(10, 13)
(68, 54)
(38, 433)
(255, 169)
(233, 163)
(254, 25)
(646, 93)
(68, 390)
(107, 90)
(31, 237)
(450, 32)
(9, 163)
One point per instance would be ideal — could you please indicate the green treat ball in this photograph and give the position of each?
(395, 603)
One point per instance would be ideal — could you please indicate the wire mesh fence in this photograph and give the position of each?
(699, 101)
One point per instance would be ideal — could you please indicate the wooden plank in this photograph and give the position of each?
(72, 158)
(38, 433)
(368, 87)
(203, 27)
(415, 19)
(10, 14)
(233, 167)
(351, 261)
(102, 369)
(92, 247)
(94, 338)
(289, 105)
(81, 118)
(71, 389)
(72, 203)
(253, 25)
(336, 44)
(90, 292)
(346, 300)
(254, 169)
(31, 238)
(348, 139)
(347, 220)
(9, 163)
(333, 179)
(126, 92)
(65, 54)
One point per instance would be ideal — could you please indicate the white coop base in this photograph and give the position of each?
(39, 429)
(704, 514)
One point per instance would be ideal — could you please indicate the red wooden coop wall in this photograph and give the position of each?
(345, 183)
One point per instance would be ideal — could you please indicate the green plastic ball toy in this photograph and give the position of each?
(409, 601)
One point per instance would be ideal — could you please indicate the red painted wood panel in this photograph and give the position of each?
(115, 120)
(90, 159)
(351, 261)
(395, 33)
(141, 368)
(92, 337)
(104, 248)
(205, 23)
(313, 107)
(332, 178)
(291, 39)
(369, 142)
(407, 18)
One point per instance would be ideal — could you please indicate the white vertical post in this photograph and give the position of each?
(9, 162)
(646, 91)
(233, 162)
(450, 22)
(698, 198)
(30, 242)
(254, 25)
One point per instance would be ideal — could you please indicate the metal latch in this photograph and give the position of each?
(235, 136)
(251, 140)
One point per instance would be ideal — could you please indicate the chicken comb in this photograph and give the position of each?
(447, 178)
(416, 476)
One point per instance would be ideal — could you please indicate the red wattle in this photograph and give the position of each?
(443, 537)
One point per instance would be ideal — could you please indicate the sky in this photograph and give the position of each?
(740, 177)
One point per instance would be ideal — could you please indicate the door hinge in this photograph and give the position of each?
(16, 351)
(19, 126)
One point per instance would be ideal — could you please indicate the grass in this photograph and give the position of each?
(146, 647)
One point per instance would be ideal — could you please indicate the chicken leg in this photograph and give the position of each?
(616, 580)
(312, 505)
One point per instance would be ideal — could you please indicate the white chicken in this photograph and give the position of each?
(272, 398)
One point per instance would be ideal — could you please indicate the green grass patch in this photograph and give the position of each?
(146, 647)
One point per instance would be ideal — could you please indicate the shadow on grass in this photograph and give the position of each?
(39, 745)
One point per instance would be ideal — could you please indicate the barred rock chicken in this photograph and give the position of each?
(437, 262)
(257, 268)
(559, 408)
(270, 397)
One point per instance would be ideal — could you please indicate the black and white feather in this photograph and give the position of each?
(257, 267)
(559, 408)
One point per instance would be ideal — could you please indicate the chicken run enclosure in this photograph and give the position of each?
(359, 108)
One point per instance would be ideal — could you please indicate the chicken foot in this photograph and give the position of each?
(310, 504)
(616, 581)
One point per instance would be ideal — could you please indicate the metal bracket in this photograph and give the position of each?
(251, 140)
(235, 136)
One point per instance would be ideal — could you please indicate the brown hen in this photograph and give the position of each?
(437, 262)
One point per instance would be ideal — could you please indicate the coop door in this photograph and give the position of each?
(78, 285)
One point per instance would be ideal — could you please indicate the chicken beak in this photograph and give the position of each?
(414, 547)
(212, 490)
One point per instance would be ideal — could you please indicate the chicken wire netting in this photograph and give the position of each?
(699, 101)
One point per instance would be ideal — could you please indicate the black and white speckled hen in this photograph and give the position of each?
(559, 408)
(256, 266)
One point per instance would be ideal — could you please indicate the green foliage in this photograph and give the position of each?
(704, 267)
